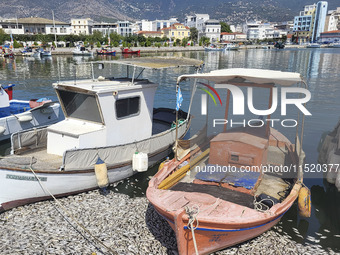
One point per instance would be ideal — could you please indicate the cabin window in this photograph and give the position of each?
(127, 107)
(80, 106)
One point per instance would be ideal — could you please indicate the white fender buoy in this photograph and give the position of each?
(2, 130)
(25, 118)
(101, 173)
(140, 162)
(337, 181)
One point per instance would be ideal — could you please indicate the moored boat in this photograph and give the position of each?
(106, 52)
(82, 51)
(17, 115)
(107, 120)
(129, 51)
(313, 45)
(222, 192)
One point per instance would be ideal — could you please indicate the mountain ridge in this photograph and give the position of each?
(231, 11)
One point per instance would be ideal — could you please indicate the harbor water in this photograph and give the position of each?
(319, 67)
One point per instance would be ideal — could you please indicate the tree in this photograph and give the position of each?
(193, 34)
(225, 27)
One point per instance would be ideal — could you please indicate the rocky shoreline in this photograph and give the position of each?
(125, 225)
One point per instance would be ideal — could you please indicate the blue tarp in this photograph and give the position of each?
(238, 178)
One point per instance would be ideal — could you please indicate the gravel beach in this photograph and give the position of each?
(125, 225)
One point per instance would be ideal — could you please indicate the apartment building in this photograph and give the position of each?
(81, 26)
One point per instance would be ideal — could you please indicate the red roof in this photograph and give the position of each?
(331, 32)
(148, 32)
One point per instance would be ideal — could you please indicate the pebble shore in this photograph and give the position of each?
(125, 225)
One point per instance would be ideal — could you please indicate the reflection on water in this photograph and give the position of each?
(320, 68)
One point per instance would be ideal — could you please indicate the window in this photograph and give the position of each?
(51, 29)
(127, 107)
(80, 106)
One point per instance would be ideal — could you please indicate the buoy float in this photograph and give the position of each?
(101, 173)
(304, 202)
(25, 118)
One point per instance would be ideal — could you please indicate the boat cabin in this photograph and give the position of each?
(102, 112)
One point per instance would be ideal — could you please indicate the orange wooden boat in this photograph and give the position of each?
(208, 198)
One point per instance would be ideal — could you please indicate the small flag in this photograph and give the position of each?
(179, 99)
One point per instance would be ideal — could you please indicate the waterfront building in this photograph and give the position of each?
(311, 22)
(233, 37)
(11, 26)
(82, 26)
(197, 21)
(303, 24)
(176, 31)
(212, 30)
(157, 25)
(330, 36)
(319, 20)
(333, 20)
(105, 28)
(124, 28)
(35, 25)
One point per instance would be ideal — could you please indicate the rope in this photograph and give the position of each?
(259, 206)
(69, 214)
(192, 215)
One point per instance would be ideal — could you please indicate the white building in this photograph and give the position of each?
(11, 26)
(35, 25)
(124, 28)
(157, 25)
(212, 30)
(319, 20)
(333, 20)
(105, 28)
(81, 26)
(260, 31)
(196, 21)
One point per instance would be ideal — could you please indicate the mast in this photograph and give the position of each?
(55, 32)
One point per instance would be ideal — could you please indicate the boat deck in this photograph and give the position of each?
(238, 188)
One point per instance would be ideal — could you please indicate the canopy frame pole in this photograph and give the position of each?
(192, 97)
(140, 73)
(226, 111)
(269, 107)
(176, 138)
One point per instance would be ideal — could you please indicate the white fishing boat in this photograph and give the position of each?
(17, 115)
(231, 46)
(108, 121)
(313, 45)
(82, 51)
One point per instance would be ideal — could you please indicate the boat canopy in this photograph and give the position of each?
(157, 62)
(247, 77)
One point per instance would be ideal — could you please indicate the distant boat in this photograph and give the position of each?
(82, 51)
(279, 45)
(335, 45)
(129, 51)
(213, 47)
(18, 115)
(106, 52)
(313, 45)
(231, 46)
(40, 52)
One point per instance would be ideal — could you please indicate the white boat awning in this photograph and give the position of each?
(156, 62)
(246, 76)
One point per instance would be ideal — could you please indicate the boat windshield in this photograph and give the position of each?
(80, 106)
